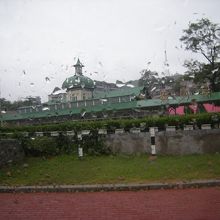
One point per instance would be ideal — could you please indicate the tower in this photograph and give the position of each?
(78, 68)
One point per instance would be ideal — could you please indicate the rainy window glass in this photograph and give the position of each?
(110, 58)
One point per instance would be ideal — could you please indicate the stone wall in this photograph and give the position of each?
(167, 142)
(188, 142)
(129, 143)
(10, 151)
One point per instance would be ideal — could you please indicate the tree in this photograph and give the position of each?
(204, 37)
(149, 80)
(13, 106)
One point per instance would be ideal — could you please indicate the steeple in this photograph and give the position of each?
(78, 67)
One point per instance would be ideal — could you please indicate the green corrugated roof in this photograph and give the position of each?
(147, 103)
(119, 92)
(62, 112)
(179, 100)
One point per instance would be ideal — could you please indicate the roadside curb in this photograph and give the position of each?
(109, 187)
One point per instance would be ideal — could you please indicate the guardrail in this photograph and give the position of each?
(103, 131)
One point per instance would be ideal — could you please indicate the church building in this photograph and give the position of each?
(75, 88)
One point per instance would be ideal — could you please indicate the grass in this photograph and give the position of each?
(68, 169)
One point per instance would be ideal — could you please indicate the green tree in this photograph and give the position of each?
(12, 106)
(149, 79)
(203, 37)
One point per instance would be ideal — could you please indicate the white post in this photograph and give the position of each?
(152, 139)
(80, 149)
(80, 152)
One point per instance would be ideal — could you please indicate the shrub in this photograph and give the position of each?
(94, 144)
(41, 146)
(111, 125)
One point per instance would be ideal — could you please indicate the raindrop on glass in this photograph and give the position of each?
(47, 79)
(100, 64)
(45, 109)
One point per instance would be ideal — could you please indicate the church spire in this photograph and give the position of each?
(78, 67)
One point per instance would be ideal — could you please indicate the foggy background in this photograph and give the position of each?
(40, 40)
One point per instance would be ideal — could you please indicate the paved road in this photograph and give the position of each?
(198, 204)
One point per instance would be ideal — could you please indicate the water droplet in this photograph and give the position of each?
(119, 83)
(153, 89)
(31, 84)
(45, 109)
(77, 80)
(215, 70)
(130, 85)
(100, 65)
(47, 79)
(103, 100)
(83, 113)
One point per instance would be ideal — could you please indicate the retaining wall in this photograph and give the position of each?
(177, 142)
(10, 151)
(167, 142)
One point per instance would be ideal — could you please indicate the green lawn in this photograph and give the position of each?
(67, 169)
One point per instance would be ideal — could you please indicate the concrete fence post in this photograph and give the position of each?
(152, 138)
(80, 149)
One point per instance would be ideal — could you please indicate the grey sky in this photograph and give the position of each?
(114, 39)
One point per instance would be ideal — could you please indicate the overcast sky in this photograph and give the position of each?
(115, 39)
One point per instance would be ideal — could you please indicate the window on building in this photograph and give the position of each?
(84, 96)
(74, 98)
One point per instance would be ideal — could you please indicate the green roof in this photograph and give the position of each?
(147, 103)
(63, 112)
(119, 92)
(179, 100)
(78, 81)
